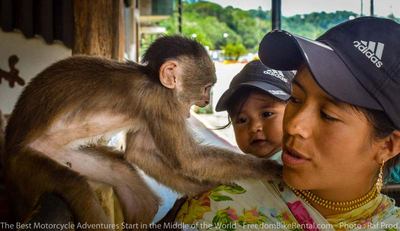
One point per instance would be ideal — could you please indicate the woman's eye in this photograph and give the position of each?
(327, 117)
(267, 114)
(293, 99)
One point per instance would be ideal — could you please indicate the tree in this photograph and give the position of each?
(234, 51)
(209, 22)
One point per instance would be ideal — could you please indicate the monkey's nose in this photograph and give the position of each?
(202, 103)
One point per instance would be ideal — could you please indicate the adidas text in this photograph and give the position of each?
(277, 74)
(368, 53)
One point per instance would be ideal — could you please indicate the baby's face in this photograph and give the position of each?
(258, 125)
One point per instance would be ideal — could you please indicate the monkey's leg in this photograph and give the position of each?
(31, 174)
(139, 203)
(141, 151)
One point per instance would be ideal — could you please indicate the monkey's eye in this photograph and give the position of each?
(207, 88)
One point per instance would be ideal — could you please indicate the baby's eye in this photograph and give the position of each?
(267, 114)
(241, 120)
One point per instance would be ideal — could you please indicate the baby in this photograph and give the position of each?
(255, 101)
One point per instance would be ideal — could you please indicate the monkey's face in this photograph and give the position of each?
(194, 95)
(204, 98)
(195, 84)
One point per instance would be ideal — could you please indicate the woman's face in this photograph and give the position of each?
(258, 125)
(327, 144)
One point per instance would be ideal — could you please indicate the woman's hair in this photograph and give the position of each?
(239, 98)
(383, 127)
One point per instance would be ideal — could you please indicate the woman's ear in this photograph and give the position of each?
(168, 73)
(391, 147)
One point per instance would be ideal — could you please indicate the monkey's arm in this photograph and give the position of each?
(141, 151)
(221, 163)
(173, 139)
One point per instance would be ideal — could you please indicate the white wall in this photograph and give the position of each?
(34, 55)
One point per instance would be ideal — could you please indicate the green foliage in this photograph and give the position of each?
(314, 24)
(208, 22)
(205, 9)
(391, 16)
(234, 51)
(260, 13)
(207, 29)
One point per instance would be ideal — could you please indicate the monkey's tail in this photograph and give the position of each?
(29, 175)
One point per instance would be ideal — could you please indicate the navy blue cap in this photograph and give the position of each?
(257, 75)
(357, 62)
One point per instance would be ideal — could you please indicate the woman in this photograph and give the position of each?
(341, 130)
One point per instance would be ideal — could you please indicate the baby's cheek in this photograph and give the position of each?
(273, 132)
(242, 140)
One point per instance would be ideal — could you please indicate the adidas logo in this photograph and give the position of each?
(373, 51)
(277, 74)
(277, 92)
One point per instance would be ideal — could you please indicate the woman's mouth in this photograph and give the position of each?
(291, 157)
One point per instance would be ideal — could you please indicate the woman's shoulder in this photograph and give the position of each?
(244, 203)
(388, 213)
(385, 216)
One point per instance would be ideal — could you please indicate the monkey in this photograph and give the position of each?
(49, 136)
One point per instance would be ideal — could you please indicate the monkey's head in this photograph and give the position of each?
(183, 65)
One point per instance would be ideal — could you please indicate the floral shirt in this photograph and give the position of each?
(271, 205)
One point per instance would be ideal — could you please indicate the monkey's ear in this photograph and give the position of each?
(168, 73)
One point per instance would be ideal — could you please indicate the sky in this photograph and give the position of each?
(292, 7)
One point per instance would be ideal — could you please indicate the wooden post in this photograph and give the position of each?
(99, 28)
(372, 8)
(276, 14)
(180, 14)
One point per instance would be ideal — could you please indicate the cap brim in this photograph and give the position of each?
(283, 51)
(272, 90)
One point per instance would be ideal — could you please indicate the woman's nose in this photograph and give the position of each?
(298, 122)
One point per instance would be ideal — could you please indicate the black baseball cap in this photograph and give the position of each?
(357, 62)
(257, 75)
